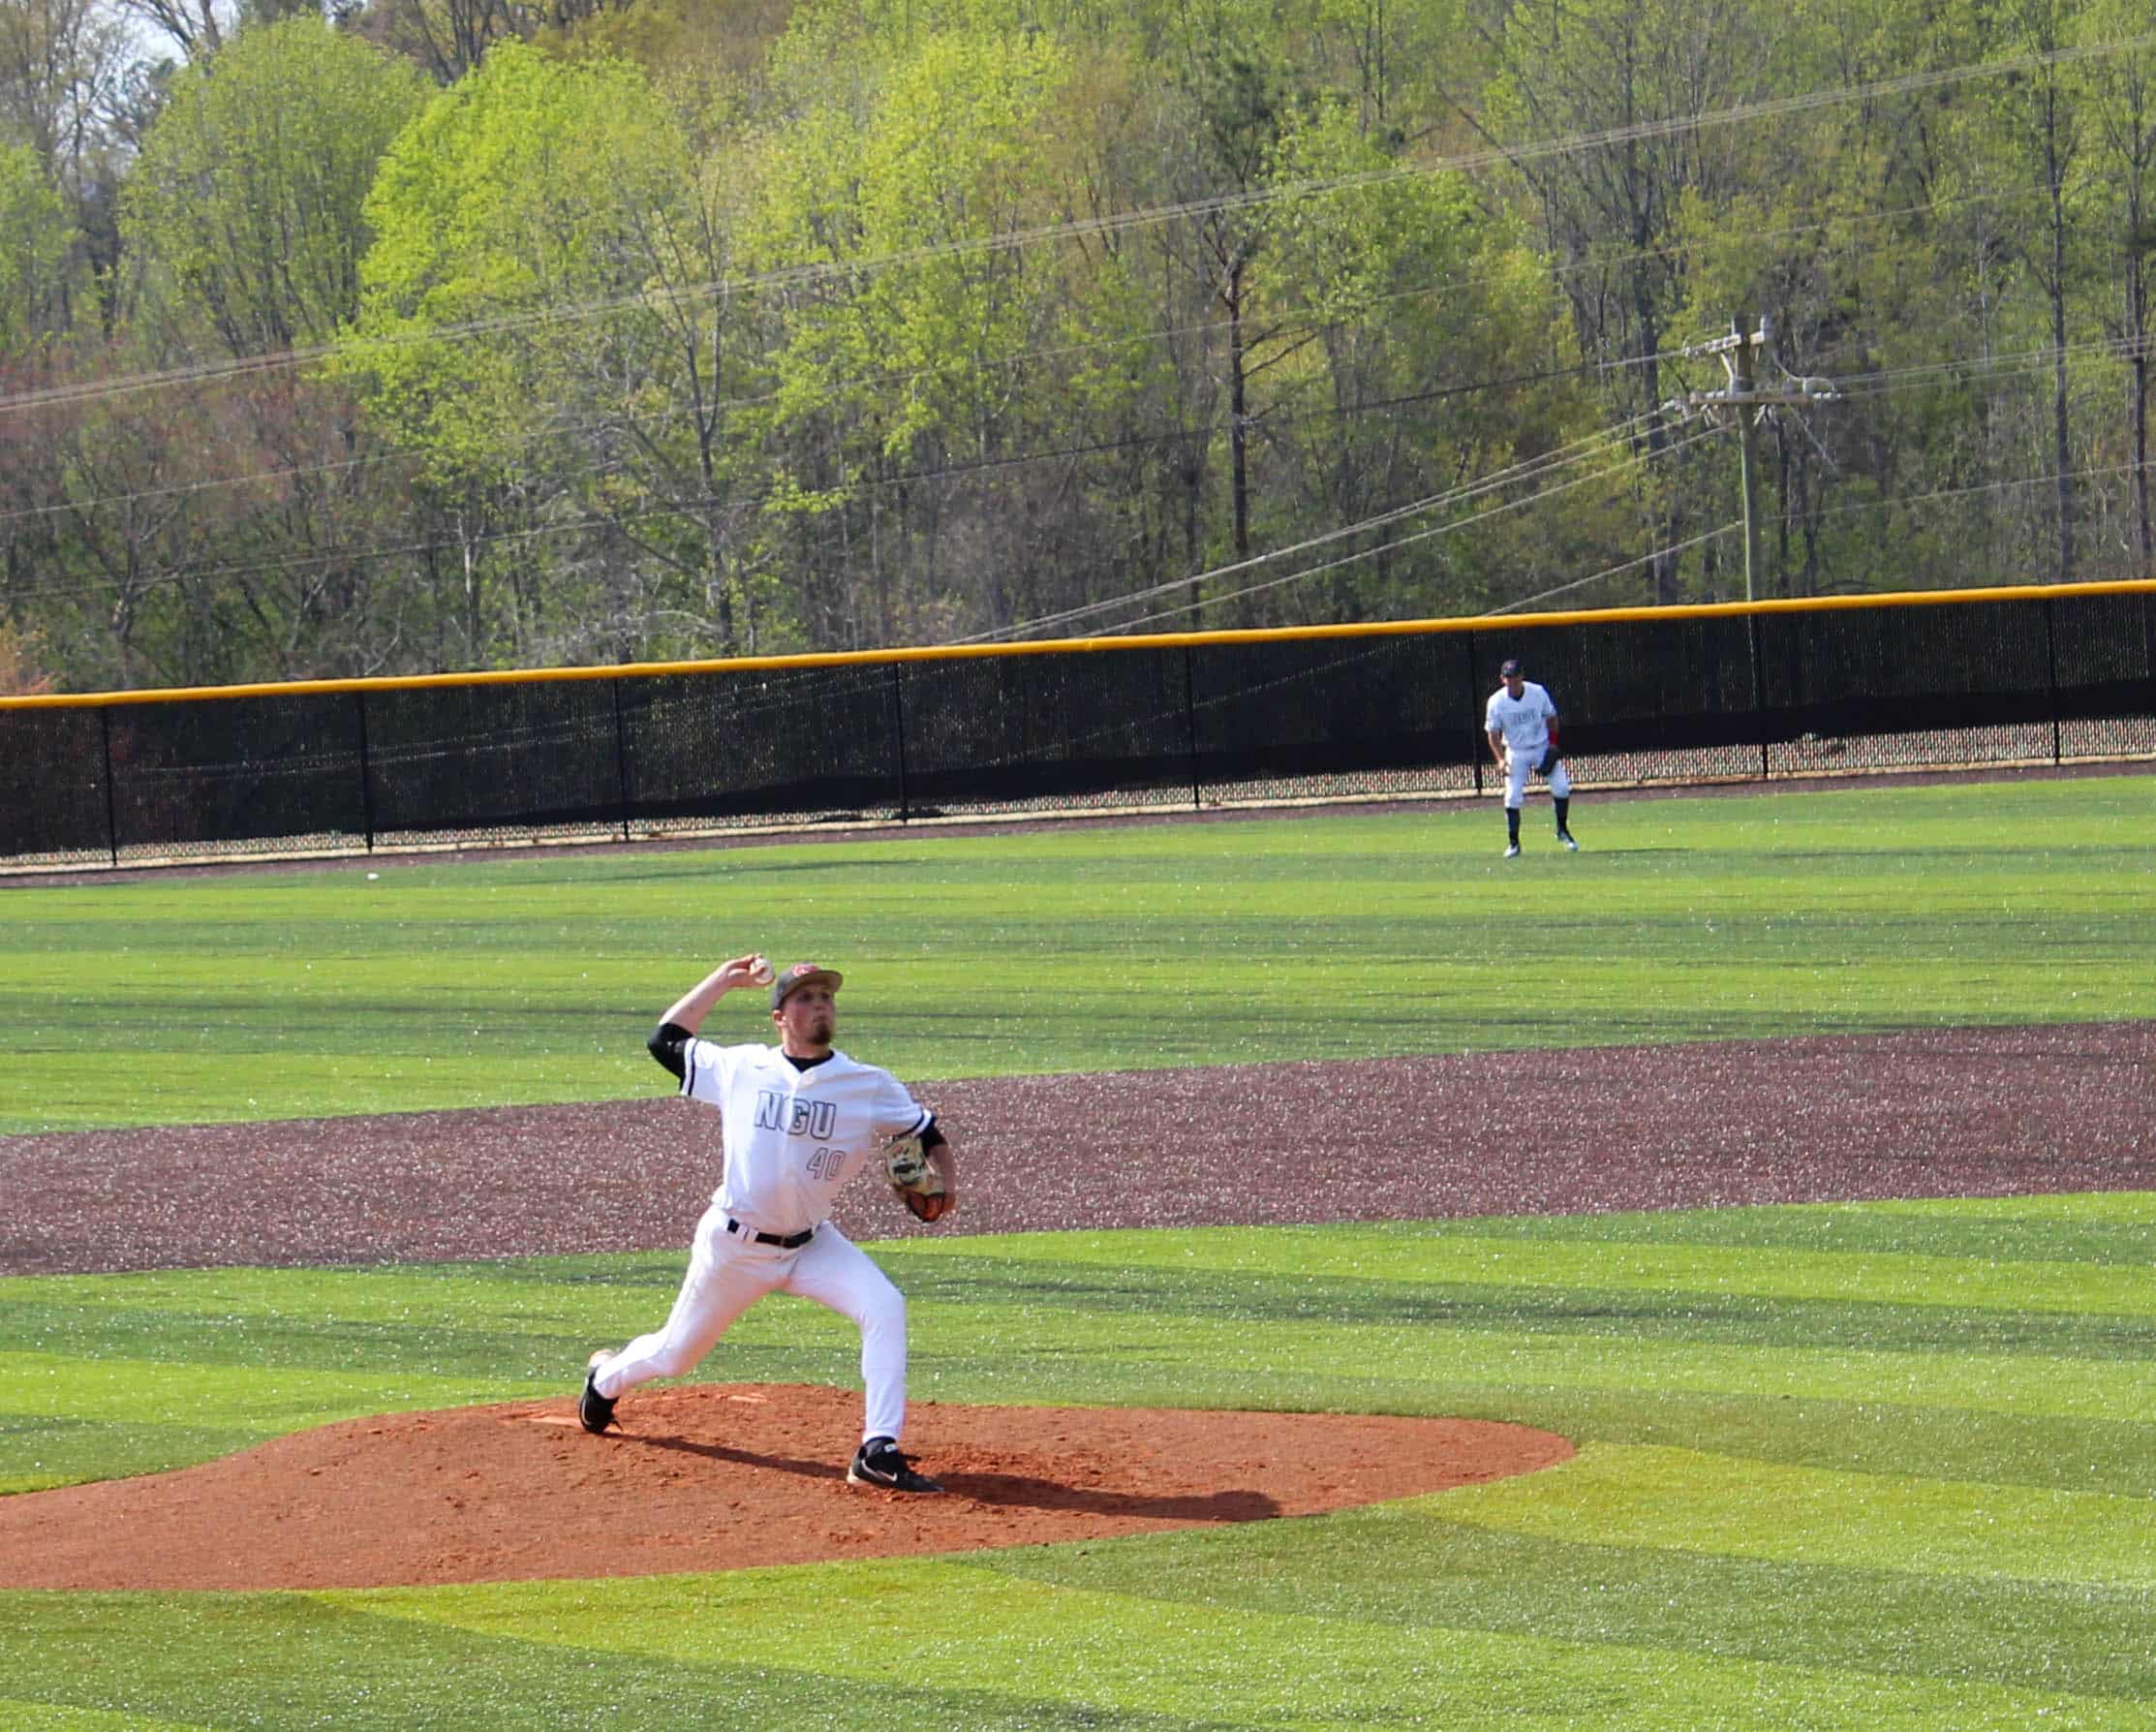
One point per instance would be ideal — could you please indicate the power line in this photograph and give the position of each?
(1292, 325)
(1538, 498)
(1899, 501)
(1562, 456)
(1862, 383)
(1486, 484)
(563, 429)
(655, 509)
(815, 274)
(1294, 321)
(2024, 360)
(1628, 565)
(1855, 385)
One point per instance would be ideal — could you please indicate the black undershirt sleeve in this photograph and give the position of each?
(668, 1042)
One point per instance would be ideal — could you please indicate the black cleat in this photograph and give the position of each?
(593, 1408)
(877, 1462)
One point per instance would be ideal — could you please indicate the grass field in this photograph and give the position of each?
(1849, 1464)
(487, 982)
(1890, 1464)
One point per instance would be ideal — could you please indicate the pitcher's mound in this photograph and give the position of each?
(716, 1477)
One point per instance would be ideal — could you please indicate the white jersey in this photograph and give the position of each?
(793, 1138)
(1524, 721)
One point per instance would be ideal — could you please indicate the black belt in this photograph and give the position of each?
(784, 1241)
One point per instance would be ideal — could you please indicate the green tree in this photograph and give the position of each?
(36, 244)
(217, 526)
(911, 320)
(36, 255)
(60, 64)
(2119, 98)
(65, 87)
(1246, 104)
(546, 319)
(247, 204)
(1417, 300)
(2038, 114)
(22, 671)
(1640, 71)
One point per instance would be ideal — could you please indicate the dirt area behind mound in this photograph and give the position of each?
(715, 1477)
(1944, 1112)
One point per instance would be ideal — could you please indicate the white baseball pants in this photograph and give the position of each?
(729, 1272)
(1519, 766)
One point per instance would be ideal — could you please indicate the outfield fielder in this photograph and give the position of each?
(1521, 723)
(796, 1122)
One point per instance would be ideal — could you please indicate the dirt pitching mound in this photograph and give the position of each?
(716, 1476)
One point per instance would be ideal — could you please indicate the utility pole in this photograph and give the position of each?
(1742, 374)
(1745, 403)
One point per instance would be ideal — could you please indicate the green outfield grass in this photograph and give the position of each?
(1890, 1464)
(482, 982)
(1848, 1464)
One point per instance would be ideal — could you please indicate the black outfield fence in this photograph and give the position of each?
(1674, 695)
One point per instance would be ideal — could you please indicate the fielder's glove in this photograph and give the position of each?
(915, 1177)
(1549, 761)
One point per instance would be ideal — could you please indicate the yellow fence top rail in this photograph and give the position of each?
(1488, 622)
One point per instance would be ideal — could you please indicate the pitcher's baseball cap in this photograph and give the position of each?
(800, 974)
(1511, 667)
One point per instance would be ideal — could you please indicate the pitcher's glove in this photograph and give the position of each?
(1549, 761)
(915, 1178)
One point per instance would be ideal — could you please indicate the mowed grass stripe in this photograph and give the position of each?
(1609, 1314)
(2103, 1227)
(1693, 1501)
(1397, 1366)
(298, 1661)
(1401, 1565)
(531, 1331)
(1868, 1277)
(991, 1307)
(318, 992)
(1189, 1647)
(520, 1319)
(39, 1452)
(37, 1716)
(328, 1319)
(2088, 1208)
(268, 1401)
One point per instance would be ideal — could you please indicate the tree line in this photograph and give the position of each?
(442, 334)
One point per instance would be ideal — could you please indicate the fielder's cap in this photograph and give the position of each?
(1511, 667)
(800, 974)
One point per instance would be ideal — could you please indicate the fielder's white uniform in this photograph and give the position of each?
(1525, 722)
(793, 1136)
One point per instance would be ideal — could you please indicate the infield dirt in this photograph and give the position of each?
(712, 1476)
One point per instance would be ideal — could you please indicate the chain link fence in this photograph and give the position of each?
(1668, 697)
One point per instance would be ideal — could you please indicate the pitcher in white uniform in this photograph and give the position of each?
(796, 1122)
(1521, 723)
